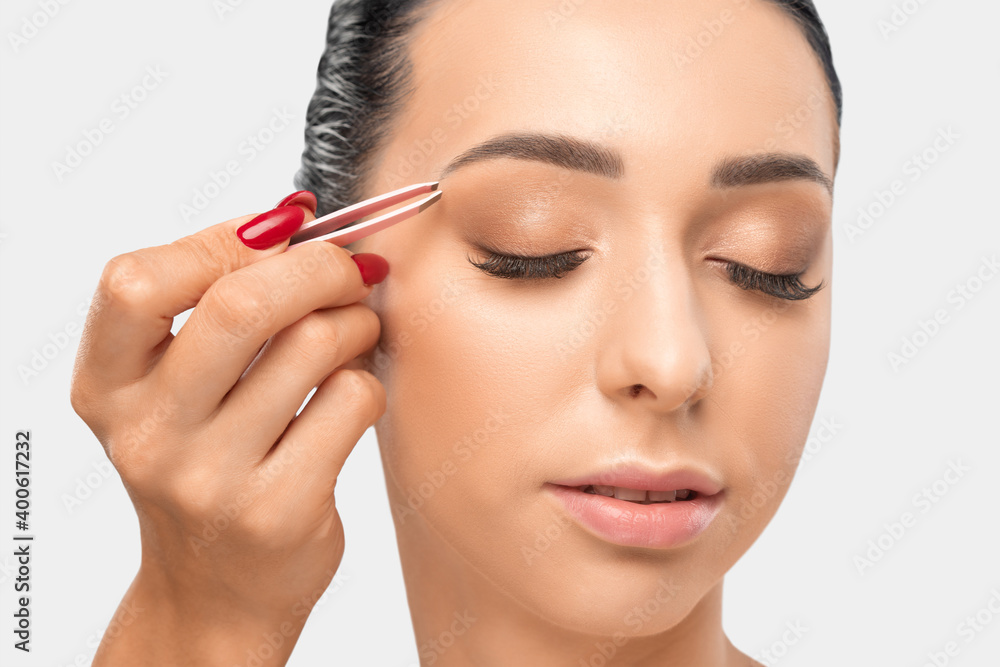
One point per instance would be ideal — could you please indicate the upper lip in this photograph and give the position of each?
(634, 476)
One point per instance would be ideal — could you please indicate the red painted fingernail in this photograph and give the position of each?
(373, 267)
(271, 228)
(302, 198)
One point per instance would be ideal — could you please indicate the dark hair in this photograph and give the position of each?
(805, 14)
(364, 77)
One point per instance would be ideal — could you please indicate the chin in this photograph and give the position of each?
(581, 583)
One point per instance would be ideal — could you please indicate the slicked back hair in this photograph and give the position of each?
(365, 75)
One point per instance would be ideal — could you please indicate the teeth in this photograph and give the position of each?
(622, 493)
(637, 495)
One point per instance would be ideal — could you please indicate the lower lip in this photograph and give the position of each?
(656, 526)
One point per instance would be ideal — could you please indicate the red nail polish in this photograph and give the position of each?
(301, 198)
(373, 267)
(271, 228)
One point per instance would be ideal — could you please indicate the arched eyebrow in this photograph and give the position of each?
(557, 149)
(767, 168)
(592, 157)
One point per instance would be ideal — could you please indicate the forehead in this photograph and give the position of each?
(674, 85)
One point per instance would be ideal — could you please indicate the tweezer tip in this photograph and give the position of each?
(430, 200)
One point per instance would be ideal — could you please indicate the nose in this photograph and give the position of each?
(655, 348)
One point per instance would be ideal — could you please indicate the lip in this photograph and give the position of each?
(637, 477)
(625, 523)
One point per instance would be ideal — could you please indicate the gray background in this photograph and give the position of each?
(894, 431)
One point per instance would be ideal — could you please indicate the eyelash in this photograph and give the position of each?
(787, 286)
(523, 267)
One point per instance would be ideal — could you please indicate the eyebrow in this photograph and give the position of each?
(557, 149)
(768, 168)
(591, 157)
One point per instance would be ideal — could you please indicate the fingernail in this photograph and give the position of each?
(373, 267)
(301, 198)
(271, 228)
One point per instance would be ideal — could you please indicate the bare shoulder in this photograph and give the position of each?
(743, 660)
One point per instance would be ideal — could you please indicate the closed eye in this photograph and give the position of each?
(526, 267)
(783, 286)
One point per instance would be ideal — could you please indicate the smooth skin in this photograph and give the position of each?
(234, 492)
(495, 386)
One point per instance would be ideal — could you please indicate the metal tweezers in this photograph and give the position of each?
(323, 229)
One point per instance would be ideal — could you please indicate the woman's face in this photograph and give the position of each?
(647, 353)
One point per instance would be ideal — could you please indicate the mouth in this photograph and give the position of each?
(639, 496)
(641, 507)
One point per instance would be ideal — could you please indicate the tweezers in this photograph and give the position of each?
(323, 229)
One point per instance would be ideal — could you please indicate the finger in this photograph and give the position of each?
(304, 199)
(291, 364)
(318, 441)
(240, 311)
(140, 293)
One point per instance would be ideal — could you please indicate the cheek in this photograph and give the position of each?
(767, 380)
(463, 390)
